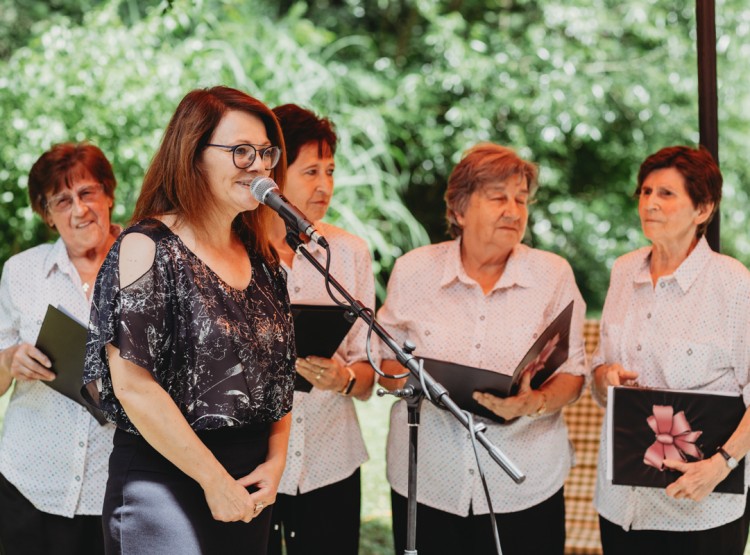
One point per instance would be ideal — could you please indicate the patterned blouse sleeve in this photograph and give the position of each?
(137, 319)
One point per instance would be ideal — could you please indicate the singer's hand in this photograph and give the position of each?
(323, 373)
(524, 403)
(228, 499)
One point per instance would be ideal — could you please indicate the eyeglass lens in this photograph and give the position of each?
(63, 202)
(244, 156)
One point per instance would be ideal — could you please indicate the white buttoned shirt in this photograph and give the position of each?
(325, 441)
(690, 331)
(52, 450)
(435, 304)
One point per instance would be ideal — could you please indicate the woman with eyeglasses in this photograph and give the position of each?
(53, 453)
(191, 346)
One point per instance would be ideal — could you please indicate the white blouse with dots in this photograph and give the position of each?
(432, 302)
(690, 331)
(52, 450)
(325, 441)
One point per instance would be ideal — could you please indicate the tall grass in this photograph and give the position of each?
(375, 531)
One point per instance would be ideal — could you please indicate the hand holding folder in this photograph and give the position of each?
(647, 426)
(63, 339)
(318, 331)
(545, 356)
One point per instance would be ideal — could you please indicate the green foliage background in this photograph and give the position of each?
(585, 88)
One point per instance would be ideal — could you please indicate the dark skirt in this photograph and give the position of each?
(152, 507)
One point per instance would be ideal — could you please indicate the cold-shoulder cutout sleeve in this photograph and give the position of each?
(136, 318)
(137, 252)
(224, 355)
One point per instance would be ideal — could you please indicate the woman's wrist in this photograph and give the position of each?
(597, 386)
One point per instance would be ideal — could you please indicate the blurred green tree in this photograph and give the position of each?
(116, 83)
(587, 89)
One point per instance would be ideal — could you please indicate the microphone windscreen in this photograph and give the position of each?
(260, 187)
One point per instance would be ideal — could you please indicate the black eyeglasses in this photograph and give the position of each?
(243, 156)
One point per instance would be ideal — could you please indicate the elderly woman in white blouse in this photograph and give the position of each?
(481, 300)
(53, 454)
(677, 316)
(326, 447)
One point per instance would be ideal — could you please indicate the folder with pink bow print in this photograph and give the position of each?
(647, 426)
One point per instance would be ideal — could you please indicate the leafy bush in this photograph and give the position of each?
(586, 89)
(116, 85)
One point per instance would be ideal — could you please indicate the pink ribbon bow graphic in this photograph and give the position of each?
(674, 438)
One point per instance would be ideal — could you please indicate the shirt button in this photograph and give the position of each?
(78, 478)
(638, 348)
(299, 419)
(38, 322)
(648, 315)
(296, 289)
(471, 471)
(690, 352)
(478, 345)
(80, 444)
(662, 284)
(427, 332)
(481, 318)
(297, 454)
(535, 336)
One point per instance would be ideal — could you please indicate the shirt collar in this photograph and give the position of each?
(517, 271)
(58, 258)
(687, 272)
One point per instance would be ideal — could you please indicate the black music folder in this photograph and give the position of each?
(545, 356)
(63, 339)
(318, 331)
(646, 426)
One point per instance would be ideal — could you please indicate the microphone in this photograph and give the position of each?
(265, 191)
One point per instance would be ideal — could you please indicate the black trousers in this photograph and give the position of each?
(323, 521)
(728, 539)
(25, 530)
(151, 507)
(537, 530)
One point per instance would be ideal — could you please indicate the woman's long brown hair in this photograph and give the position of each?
(175, 182)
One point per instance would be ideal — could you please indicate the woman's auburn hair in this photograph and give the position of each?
(176, 183)
(62, 165)
(302, 127)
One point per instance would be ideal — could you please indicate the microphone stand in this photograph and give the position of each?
(437, 394)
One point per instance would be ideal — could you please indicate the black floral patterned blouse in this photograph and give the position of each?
(225, 356)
